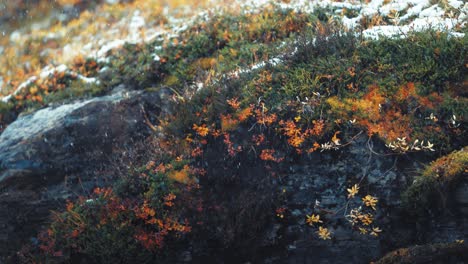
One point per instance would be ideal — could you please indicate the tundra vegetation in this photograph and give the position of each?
(254, 91)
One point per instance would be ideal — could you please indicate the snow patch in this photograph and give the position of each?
(415, 9)
(394, 6)
(418, 24)
(455, 3)
(23, 85)
(433, 11)
(109, 46)
(88, 79)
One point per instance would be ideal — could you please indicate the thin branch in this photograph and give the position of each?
(147, 121)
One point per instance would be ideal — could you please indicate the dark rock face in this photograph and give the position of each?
(49, 155)
(431, 253)
(461, 196)
(324, 178)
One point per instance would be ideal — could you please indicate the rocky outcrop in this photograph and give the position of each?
(52, 154)
(318, 185)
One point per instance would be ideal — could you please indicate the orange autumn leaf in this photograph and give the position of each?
(269, 155)
(168, 199)
(335, 138)
(75, 233)
(228, 123)
(201, 130)
(314, 147)
(406, 91)
(234, 103)
(318, 127)
(244, 114)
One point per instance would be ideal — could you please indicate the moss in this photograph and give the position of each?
(132, 65)
(223, 43)
(5, 107)
(448, 168)
(430, 192)
(76, 90)
(7, 114)
(431, 58)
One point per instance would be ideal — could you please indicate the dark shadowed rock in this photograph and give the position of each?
(324, 178)
(461, 196)
(430, 253)
(52, 153)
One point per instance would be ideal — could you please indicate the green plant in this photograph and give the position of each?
(431, 191)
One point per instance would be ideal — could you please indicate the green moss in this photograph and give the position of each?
(430, 191)
(7, 114)
(5, 107)
(431, 58)
(76, 90)
(132, 65)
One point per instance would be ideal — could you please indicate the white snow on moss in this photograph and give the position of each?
(455, 3)
(22, 86)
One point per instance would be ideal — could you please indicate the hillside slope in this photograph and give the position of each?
(247, 131)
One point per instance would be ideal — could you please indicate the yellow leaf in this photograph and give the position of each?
(33, 90)
(353, 191)
(312, 219)
(362, 230)
(375, 231)
(370, 201)
(335, 139)
(367, 219)
(323, 233)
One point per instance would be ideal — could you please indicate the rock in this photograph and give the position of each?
(325, 177)
(48, 155)
(186, 256)
(461, 197)
(431, 253)
(271, 236)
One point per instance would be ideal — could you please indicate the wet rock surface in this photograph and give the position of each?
(53, 154)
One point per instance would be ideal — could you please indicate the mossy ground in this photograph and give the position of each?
(431, 192)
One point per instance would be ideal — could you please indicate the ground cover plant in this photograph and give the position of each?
(253, 93)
